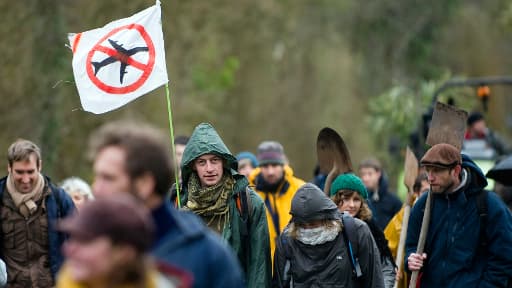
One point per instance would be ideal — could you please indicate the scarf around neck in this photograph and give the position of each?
(210, 202)
(26, 202)
(319, 235)
(262, 185)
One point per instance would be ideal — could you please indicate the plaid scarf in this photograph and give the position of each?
(211, 203)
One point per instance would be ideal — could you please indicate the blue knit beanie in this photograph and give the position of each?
(247, 155)
(348, 181)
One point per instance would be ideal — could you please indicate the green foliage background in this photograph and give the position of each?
(258, 70)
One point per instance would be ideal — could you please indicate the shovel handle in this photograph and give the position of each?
(330, 178)
(423, 236)
(401, 244)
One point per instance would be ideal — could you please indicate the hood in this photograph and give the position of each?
(476, 176)
(205, 140)
(383, 185)
(310, 203)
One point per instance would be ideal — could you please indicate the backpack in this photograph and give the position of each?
(483, 210)
(350, 239)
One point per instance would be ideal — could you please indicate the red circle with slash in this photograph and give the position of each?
(146, 68)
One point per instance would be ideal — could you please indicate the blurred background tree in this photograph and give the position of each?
(260, 70)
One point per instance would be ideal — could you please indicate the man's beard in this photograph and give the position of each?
(444, 189)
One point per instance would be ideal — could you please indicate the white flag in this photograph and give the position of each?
(119, 62)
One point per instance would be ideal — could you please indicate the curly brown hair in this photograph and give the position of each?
(364, 212)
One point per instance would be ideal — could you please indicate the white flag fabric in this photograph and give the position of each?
(119, 62)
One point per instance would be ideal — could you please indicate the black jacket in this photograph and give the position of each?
(386, 206)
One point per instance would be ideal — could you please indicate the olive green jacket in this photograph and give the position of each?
(254, 253)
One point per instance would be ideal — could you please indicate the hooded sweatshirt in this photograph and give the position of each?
(255, 259)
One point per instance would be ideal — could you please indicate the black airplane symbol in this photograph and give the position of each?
(121, 55)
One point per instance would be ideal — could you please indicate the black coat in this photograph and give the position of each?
(328, 264)
(386, 207)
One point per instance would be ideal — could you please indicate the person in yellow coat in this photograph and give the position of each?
(394, 227)
(275, 184)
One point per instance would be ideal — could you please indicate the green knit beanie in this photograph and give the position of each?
(349, 181)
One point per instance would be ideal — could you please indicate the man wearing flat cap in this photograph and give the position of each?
(466, 245)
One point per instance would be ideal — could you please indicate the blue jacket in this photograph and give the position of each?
(455, 257)
(54, 212)
(185, 242)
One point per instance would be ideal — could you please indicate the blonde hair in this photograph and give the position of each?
(364, 213)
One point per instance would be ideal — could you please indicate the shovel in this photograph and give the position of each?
(333, 156)
(411, 172)
(447, 126)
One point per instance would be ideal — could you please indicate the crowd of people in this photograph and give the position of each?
(245, 220)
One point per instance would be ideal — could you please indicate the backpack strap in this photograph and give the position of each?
(350, 236)
(483, 210)
(244, 207)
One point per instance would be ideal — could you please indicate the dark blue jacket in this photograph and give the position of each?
(387, 206)
(185, 242)
(455, 257)
(58, 205)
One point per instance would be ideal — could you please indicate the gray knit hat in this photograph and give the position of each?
(270, 152)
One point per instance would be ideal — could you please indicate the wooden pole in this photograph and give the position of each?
(423, 236)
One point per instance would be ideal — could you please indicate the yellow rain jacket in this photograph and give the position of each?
(392, 233)
(277, 203)
(155, 280)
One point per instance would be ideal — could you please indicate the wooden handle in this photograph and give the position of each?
(423, 236)
(330, 178)
(401, 244)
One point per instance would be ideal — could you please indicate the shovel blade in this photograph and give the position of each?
(411, 169)
(448, 126)
(331, 149)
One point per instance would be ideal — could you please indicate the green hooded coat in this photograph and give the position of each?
(255, 262)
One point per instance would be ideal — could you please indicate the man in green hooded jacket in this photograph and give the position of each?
(213, 189)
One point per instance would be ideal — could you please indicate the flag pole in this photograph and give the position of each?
(171, 130)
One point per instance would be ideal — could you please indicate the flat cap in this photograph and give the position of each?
(441, 155)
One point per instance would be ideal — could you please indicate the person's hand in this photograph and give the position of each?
(415, 261)
(398, 276)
